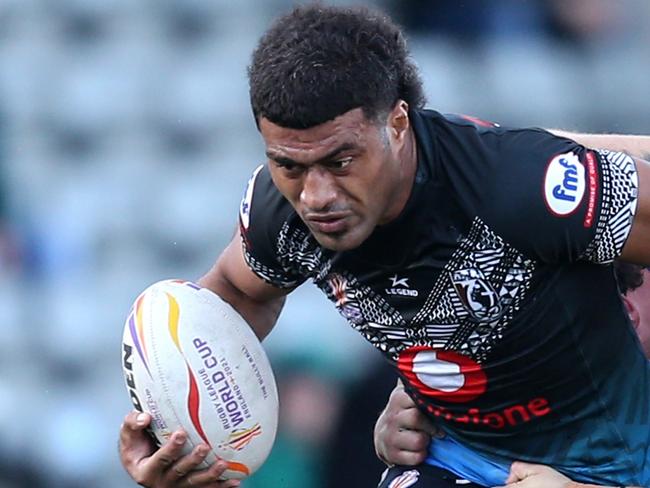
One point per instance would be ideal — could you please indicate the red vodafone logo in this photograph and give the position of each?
(444, 375)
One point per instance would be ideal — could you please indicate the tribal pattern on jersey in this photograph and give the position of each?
(478, 293)
(620, 193)
(299, 255)
(268, 274)
(369, 313)
(481, 295)
(471, 302)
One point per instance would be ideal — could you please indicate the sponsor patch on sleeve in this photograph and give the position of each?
(592, 174)
(245, 206)
(564, 184)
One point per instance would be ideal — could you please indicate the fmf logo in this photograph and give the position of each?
(564, 184)
(443, 375)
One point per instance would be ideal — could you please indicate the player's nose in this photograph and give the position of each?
(319, 190)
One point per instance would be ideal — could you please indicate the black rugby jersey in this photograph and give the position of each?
(491, 293)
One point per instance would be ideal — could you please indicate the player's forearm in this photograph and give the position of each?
(638, 146)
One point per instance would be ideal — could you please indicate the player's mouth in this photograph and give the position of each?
(330, 223)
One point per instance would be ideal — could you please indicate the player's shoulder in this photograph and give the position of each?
(480, 142)
(268, 224)
(449, 124)
(454, 128)
(475, 157)
(262, 201)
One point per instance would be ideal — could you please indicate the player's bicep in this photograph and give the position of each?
(232, 279)
(637, 247)
(231, 267)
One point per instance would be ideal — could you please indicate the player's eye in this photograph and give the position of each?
(340, 164)
(290, 169)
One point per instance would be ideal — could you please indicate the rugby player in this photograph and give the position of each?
(402, 433)
(474, 257)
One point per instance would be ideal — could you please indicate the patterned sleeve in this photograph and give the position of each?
(262, 214)
(559, 201)
(620, 188)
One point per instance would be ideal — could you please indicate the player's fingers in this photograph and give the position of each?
(405, 447)
(408, 458)
(411, 440)
(135, 444)
(413, 419)
(226, 484)
(169, 452)
(520, 471)
(209, 477)
(132, 427)
(186, 464)
(221, 484)
(400, 399)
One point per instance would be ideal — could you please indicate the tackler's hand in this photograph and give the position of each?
(402, 433)
(524, 475)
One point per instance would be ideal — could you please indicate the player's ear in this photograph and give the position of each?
(398, 120)
(633, 311)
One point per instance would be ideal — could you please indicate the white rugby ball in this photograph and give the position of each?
(192, 362)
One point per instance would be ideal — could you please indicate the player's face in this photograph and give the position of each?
(346, 176)
(640, 299)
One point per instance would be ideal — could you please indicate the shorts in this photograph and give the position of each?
(422, 476)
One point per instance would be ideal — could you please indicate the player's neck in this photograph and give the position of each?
(409, 161)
